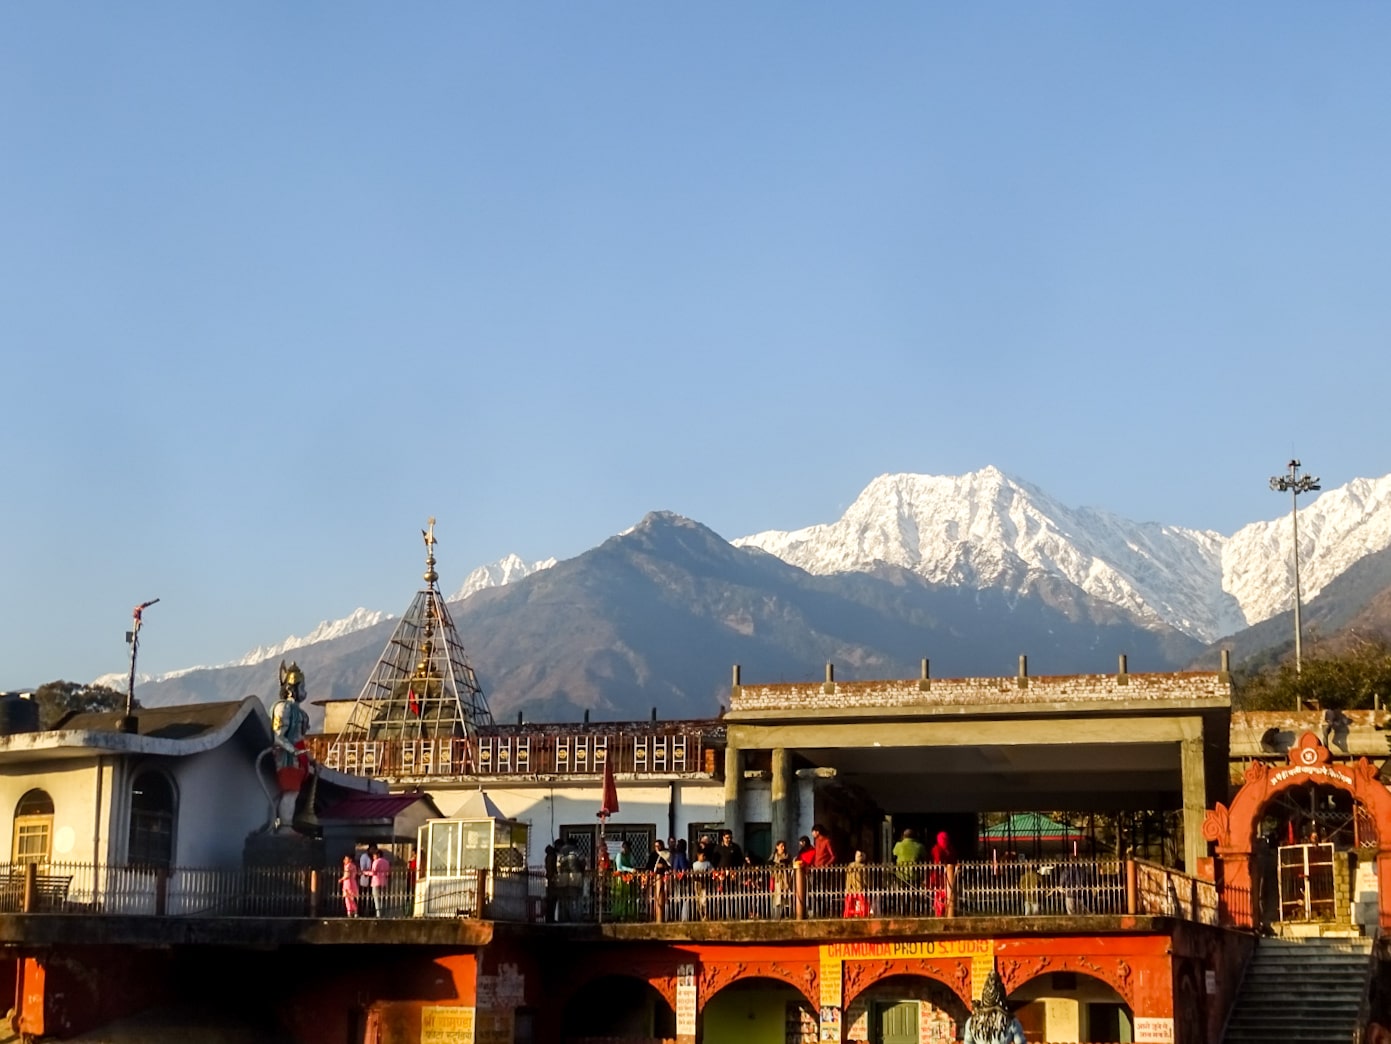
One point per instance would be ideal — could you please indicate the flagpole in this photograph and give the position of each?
(599, 862)
(607, 807)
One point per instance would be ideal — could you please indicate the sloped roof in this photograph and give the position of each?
(376, 806)
(182, 722)
(1026, 826)
(171, 731)
(480, 806)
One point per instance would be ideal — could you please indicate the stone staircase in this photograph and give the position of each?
(1302, 989)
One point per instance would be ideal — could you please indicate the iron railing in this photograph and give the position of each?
(1023, 890)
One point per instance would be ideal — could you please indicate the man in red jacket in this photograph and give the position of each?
(823, 903)
(824, 854)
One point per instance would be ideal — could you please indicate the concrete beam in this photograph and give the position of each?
(956, 733)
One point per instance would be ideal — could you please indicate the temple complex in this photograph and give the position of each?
(1120, 857)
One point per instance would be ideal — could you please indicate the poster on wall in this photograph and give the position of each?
(446, 1025)
(982, 964)
(685, 1000)
(830, 1024)
(1154, 1031)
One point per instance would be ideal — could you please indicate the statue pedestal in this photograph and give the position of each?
(284, 848)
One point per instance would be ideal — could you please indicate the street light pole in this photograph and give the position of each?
(1296, 484)
(127, 723)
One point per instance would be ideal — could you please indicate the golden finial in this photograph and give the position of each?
(429, 534)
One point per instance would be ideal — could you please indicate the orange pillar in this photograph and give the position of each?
(29, 1009)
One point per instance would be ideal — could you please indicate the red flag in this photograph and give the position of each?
(412, 701)
(610, 805)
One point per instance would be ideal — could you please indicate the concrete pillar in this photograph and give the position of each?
(733, 791)
(1194, 802)
(784, 797)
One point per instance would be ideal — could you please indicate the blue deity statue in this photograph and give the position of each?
(289, 720)
(991, 1021)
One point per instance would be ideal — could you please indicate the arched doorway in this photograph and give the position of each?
(1306, 852)
(1070, 1006)
(618, 1008)
(905, 1009)
(1292, 830)
(758, 1011)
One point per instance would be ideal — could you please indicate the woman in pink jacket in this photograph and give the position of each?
(348, 883)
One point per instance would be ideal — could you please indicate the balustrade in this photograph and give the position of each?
(1017, 890)
(525, 754)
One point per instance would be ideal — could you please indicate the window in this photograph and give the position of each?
(585, 840)
(696, 831)
(152, 820)
(33, 828)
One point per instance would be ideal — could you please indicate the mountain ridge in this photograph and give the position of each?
(982, 538)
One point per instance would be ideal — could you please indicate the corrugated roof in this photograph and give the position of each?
(1026, 826)
(373, 806)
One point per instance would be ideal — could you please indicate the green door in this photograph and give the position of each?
(896, 1023)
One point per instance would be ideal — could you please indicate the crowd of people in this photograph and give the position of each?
(720, 880)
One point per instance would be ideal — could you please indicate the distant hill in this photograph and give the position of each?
(969, 571)
(1358, 602)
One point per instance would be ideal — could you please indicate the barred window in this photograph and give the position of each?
(152, 820)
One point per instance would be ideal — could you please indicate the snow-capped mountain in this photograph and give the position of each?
(987, 529)
(504, 571)
(357, 620)
(1340, 527)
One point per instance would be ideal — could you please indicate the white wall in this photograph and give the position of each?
(73, 786)
(220, 802)
(218, 798)
(547, 807)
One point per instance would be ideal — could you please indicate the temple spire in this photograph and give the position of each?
(431, 577)
(422, 686)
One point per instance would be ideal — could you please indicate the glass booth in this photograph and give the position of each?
(458, 855)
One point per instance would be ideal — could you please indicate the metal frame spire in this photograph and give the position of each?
(422, 686)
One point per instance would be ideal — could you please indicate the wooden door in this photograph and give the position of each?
(896, 1023)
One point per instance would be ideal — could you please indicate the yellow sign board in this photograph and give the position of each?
(446, 1025)
(871, 950)
(830, 979)
(981, 966)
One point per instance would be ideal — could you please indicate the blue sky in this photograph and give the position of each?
(279, 281)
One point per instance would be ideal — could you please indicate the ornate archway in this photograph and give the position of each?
(716, 975)
(953, 974)
(872, 986)
(1117, 974)
(1234, 830)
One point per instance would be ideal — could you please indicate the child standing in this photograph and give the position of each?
(348, 881)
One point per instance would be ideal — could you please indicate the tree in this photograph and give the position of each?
(1352, 677)
(58, 699)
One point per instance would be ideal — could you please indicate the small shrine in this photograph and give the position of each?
(1305, 844)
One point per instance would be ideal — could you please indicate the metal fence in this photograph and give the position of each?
(1024, 889)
